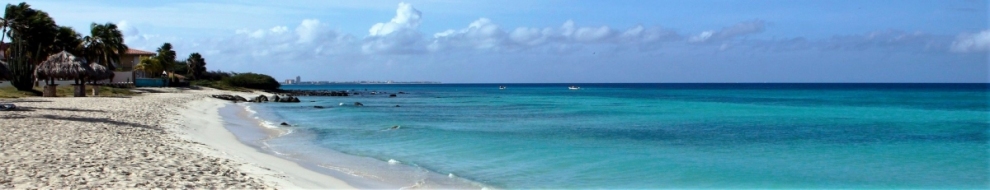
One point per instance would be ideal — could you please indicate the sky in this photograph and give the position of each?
(562, 41)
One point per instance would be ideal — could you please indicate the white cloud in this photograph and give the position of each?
(529, 36)
(399, 36)
(731, 32)
(406, 18)
(309, 30)
(979, 42)
(480, 34)
(483, 34)
(702, 37)
(262, 33)
(126, 28)
(889, 39)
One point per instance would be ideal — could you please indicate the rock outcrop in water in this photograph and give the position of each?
(233, 98)
(260, 98)
(315, 92)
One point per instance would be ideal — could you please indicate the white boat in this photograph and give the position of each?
(574, 87)
(501, 87)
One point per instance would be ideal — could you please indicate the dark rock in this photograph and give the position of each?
(318, 107)
(397, 106)
(358, 104)
(276, 98)
(260, 98)
(285, 124)
(391, 95)
(229, 97)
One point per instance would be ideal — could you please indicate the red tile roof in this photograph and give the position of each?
(138, 52)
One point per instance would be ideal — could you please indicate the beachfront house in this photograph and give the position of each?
(125, 69)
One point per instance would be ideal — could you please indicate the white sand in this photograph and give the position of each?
(156, 140)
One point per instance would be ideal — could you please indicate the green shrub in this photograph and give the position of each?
(215, 75)
(252, 80)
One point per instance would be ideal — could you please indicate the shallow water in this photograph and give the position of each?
(648, 135)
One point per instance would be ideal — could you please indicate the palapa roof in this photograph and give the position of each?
(62, 65)
(99, 72)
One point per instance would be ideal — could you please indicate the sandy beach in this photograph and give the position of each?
(165, 138)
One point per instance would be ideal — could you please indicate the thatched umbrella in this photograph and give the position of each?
(4, 72)
(99, 72)
(62, 65)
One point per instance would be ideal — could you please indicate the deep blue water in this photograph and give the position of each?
(653, 135)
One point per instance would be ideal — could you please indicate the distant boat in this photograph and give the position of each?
(574, 87)
(501, 87)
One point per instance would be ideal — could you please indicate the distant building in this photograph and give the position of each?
(288, 81)
(298, 80)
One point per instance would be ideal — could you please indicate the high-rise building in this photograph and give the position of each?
(298, 80)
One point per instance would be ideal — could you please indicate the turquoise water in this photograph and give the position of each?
(652, 135)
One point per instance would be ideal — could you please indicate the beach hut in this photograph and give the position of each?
(62, 65)
(4, 71)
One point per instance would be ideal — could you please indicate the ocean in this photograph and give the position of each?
(641, 135)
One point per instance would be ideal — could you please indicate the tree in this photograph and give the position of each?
(151, 66)
(105, 45)
(32, 34)
(166, 56)
(69, 40)
(252, 80)
(197, 65)
(180, 67)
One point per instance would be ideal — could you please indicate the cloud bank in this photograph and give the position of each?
(313, 42)
(967, 43)
(399, 36)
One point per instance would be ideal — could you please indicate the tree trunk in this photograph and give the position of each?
(21, 69)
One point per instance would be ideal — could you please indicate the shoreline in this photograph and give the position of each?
(173, 138)
(253, 132)
(258, 130)
(220, 141)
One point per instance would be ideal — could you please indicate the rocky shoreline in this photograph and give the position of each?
(294, 93)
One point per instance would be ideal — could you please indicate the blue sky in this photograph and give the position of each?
(563, 40)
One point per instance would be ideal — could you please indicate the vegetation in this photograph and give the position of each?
(105, 45)
(166, 56)
(253, 80)
(237, 81)
(32, 34)
(65, 91)
(69, 40)
(181, 67)
(196, 66)
(151, 66)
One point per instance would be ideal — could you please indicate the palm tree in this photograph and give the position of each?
(197, 65)
(166, 56)
(68, 40)
(105, 45)
(150, 66)
(32, 34)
